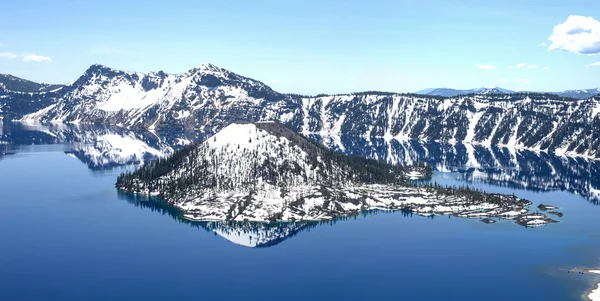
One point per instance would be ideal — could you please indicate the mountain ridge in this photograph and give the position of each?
(208, 98)
(451, 92)
(32, 86)
(11, 83)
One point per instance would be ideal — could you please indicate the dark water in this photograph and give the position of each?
(67, 234)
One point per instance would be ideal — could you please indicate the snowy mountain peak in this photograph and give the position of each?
(96, 73)
(210, 69)
(266, 145)
(491, 90)
(242, 136)
(99, 68)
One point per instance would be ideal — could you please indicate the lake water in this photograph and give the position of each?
(67, 234)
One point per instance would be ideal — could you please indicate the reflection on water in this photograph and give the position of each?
(80, 236)
(103, 148)
(99, 147)
(247, 234)
(499, 166)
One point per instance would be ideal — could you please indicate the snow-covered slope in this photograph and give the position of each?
(201, 96)
(265, 172)
(518, 121)
(208, 98)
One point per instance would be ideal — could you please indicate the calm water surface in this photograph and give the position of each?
(67, 234)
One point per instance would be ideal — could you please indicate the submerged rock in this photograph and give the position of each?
(559, 214)
(534, 220)
(546, 207)
(488, 221)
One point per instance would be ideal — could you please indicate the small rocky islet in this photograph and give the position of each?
(265, 172)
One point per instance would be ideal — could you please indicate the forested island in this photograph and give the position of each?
(268, 173)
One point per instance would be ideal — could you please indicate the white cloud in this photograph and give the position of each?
(7, 55)
(36, 58)
(578, 34)
(542, 44)
(26, 58)
(485, 67)
(596, 64)
(546, 68)
(524, 65)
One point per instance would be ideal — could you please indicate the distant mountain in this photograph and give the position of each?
(579, 94)
(447, 92)
(425, 91)
(492, 90)
(15, 84)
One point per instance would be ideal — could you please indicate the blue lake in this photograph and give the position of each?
(67, 234)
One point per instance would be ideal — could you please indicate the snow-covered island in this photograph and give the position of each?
(266, 172)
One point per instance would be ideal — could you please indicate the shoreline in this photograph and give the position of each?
(593, 293)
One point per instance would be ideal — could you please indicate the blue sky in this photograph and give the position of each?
(311, 46)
